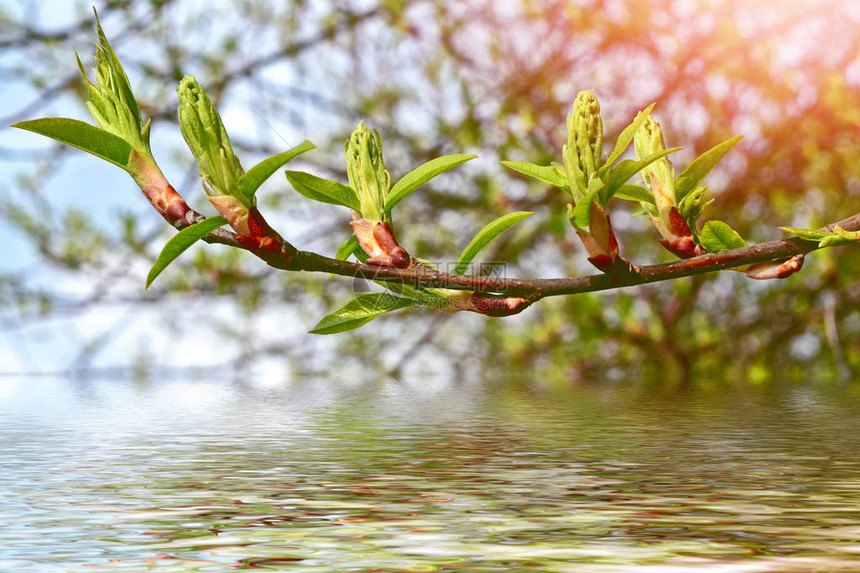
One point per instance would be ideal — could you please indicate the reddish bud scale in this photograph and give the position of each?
(264, 242)
(601, 244)
(772, 270)
(613, 242)
(259, 244)
(250, 243)
(683, 247)
(790, 266)
(378, 241)
(617, 268)
(273, 250)
(677, 224)
(602, 262)
(168, 203)
(497, 306)
(681, 243)
(604, 252)
(257, 226)
(384, 235)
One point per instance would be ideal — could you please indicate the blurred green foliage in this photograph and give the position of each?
(495, 79)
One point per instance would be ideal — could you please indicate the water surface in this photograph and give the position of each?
(416, 476)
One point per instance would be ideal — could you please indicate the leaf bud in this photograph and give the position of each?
(584, 147)
(111, 100)
(206, 137)
(366, 171)
(659, 175)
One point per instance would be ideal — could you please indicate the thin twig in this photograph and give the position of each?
(280, 254)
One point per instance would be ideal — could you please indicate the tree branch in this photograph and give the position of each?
(529, 289)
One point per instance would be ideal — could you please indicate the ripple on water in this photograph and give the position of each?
(208, 477)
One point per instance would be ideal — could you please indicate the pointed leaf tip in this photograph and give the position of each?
(625, 170)
(806, 234)
(485, 236)
(625, 138)
(421, 175)
(82, 135)
(546, 173)
(359, 311)
(257, 175)
(323, 190)
(699, 168)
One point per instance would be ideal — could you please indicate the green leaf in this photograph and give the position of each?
(421, 175)
(323, 190)
(348, 247)
(806, 234)
(627, 134)
(624, 171)
(255, 176)
(546, 173)
(840, 237)
(359, 311)
(691, 208)
(83, 136)
(701, 166)
(837, 237)
(579, 215)
(485, 236)
(630, 192)
(718, 236)
(180, 242)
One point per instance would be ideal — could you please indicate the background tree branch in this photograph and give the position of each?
(478, 76)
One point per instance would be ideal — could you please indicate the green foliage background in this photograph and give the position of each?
(474, 76)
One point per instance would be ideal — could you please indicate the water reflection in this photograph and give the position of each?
(205, 476)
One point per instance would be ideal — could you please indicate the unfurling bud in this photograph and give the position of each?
(111, 101)
(584, 147)
(371, 182)
(648, 141)
(660, 179)
(366, 171)
(206, 137)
